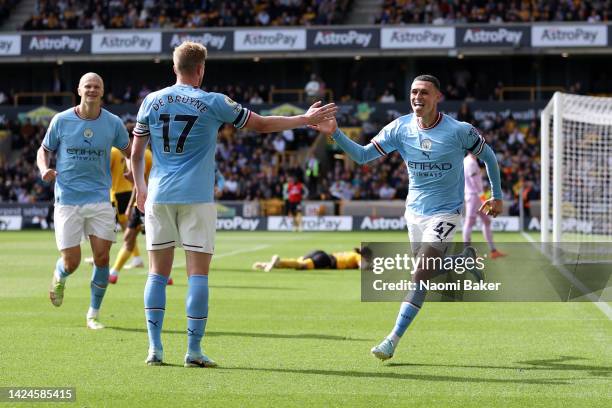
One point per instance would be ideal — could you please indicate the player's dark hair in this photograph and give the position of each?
(429, 78)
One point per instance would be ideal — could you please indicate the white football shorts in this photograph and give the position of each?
(437, 230)
(74, 222)
(190, 226)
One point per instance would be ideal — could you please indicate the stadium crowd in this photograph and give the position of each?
(488, 11)
(6, 6)
(115, 14)
(458, 88)
(19, 178)
(256, 167)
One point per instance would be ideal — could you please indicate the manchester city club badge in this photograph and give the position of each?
(426, 144)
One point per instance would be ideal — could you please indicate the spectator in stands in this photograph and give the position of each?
(128, 95)
(279, 143)
(516, 138)
(387, 97)
(466, 11)
(353, 94)
(230, 188)
(369, 93)
(100, 15)
(144, 91)
(386, 192)
(312, 174)
(315, 89)
(341, 190)
(255, 99)
(289, 137)
(465, 114)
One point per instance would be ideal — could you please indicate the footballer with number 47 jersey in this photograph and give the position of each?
(433, 146)
(434, 158)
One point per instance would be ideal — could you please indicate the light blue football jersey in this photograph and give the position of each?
(183, 122)
(83, 149)
(434, 158)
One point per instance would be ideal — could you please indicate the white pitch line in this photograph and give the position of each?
(603, 306)
(223, 255)
(242, 251)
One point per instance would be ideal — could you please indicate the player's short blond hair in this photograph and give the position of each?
(188, 56)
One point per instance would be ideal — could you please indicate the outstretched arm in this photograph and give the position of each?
(360, 154)
(267, 124)
(494, 205)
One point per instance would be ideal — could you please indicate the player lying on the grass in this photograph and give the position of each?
(182, 122)
(473, 191)
(82, 138)
(432, 145)
(314, 260)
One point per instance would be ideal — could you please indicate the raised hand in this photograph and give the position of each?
(492, 207)
(317, 113)
(327, 127)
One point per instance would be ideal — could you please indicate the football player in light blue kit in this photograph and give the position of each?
(82, 138)
(182, 123)
(433, 146)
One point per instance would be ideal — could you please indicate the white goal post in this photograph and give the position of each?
(576, 168)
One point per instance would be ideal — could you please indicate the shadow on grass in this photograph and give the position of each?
(164, 364)
(221, 269)
(253, 287)
(402, 376)
(242, 334)
(556, 364)
(184, 285)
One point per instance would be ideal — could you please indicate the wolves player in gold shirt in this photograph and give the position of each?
(121, 192)
(315, 260)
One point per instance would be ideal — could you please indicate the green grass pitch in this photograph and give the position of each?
(293, 338)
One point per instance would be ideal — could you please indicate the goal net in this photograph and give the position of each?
(576, 169)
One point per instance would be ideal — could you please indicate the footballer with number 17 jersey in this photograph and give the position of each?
(183, 122)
